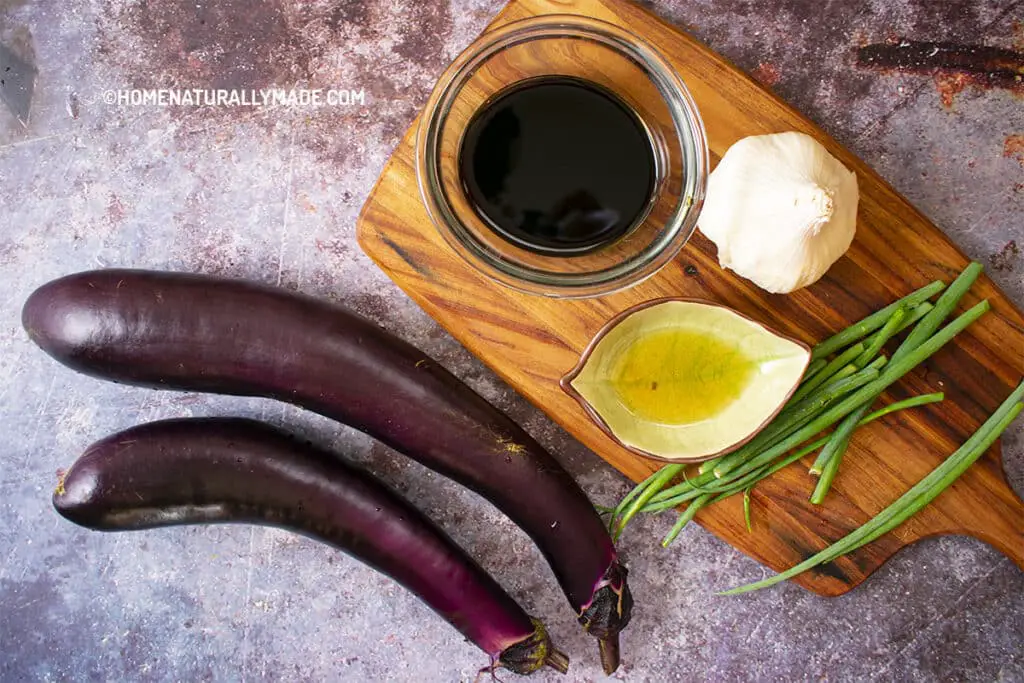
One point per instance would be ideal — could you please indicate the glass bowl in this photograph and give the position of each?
(610, 58)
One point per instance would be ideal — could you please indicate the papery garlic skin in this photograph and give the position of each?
(780, 209)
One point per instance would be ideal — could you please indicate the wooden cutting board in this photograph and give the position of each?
(531, 341)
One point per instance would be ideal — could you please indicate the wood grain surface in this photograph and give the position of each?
(532, 341)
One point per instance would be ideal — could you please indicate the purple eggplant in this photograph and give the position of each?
(199, 333)
(233, 470)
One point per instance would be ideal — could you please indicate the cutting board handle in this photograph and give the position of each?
(997, 516)
(1009, 543)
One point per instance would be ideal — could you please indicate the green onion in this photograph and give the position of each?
(871, 323)
(878, 363)
(916, 313)
(893, 372)
(846, 380)
(799, 415)
(636, 491)
(746, 508)
(688, 490)
(879, 339)
(696, 484)
(899, 405)
(826, 373)
(687, 515)
(785, 421)
(678, 498)
(812, 368)
(943, 307)
(656, 482)
(913, 500)
(818, 466)
(708, 465)
(837, 392)
(878, 342)
(832, 455)
(752, 478)
(827, 464)
(838, 442)
(912, 402)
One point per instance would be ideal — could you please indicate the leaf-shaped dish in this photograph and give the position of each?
(685, 380)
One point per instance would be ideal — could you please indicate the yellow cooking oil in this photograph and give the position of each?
(680, 376)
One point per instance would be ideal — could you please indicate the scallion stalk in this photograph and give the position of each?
(916, 313)
(812, 369)
(893, 372)
(878, 339)
(619, 509)
(943, 307)
(863, 328)
(800, 414)
(708, 465)
(828, 372)
(685, 518)
(828, 461)
(746, 508)
(695, 485)
(913, 500)
(752, 478)
(657, 482)
(835, 400)
(832, 455)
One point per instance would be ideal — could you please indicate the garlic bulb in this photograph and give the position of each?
(781, 210)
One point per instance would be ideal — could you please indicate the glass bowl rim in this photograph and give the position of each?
(689, 135)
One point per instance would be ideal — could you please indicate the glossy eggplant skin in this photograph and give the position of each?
(201, 333)
(233, 470)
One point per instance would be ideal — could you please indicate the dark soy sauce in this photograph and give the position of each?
(558, 165)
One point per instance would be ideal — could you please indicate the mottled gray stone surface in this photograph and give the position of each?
(273, 194)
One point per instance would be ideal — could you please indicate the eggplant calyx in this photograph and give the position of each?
(59, 490)
(609, 648)
(608, 612)
(532, 653)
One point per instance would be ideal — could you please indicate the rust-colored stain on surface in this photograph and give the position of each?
(767, 74)
(1006, 259)
(115, 209)
(953, 66)
(1013, 148)
(949, 85)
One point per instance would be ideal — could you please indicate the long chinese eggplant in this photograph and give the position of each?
(233, 470)
(199, 333)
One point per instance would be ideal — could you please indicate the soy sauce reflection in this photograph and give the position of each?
(558, 165)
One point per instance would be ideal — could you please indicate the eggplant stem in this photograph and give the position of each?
(488, 670)
(557, 660)
(609, 647)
